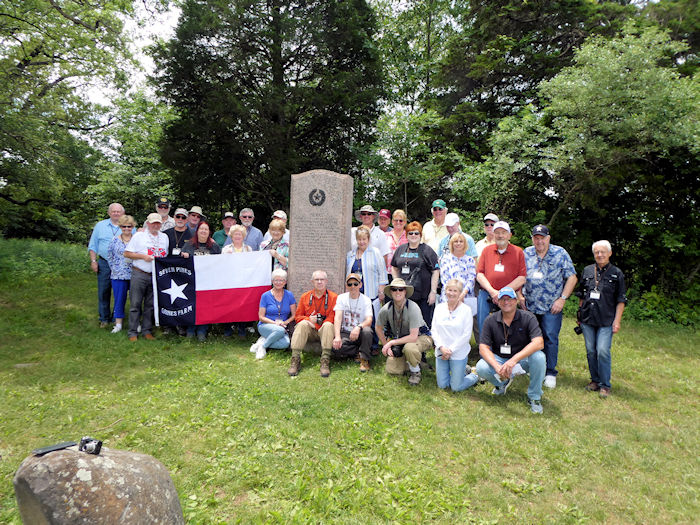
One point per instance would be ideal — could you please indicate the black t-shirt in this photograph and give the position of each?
(610, 283)
(519, 334)
(177, 239)
(416, 267)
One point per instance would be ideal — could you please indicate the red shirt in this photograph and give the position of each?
(513, 261)
(317, 306)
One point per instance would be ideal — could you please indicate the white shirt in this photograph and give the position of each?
(377, 239)
(452, 329)
(147, 244)
(433, 234)
(355, 311)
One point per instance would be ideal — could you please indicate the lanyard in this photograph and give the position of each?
(505, 330)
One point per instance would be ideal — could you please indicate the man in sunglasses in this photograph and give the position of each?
(193, 217)
(178, 235)
(489, 220)
(367, 215)
(402, 332)
(353, 323)
(254, 236)
(435, 230)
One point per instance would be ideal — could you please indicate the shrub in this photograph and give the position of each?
(22, 260)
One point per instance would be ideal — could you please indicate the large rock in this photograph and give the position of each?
(115, 487)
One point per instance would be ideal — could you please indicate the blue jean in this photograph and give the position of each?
(275, 335)
(598, 342)
(104, 290)
(120, 288)
(483, 308)
(200, 329)
(550, 324)
(535, 365)
(452, 373)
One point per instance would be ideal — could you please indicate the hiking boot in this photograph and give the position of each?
(592, 386)
(364, 365)
(295, 365)
(414, 379)
(325, 367)
(604, 392)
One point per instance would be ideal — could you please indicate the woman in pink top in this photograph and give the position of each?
(396, 237)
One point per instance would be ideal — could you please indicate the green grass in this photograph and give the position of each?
(246, 443)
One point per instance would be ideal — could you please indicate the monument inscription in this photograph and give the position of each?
(321, 218)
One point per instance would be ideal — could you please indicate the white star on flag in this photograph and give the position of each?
(175, 291)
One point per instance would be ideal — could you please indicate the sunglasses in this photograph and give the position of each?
(413, 233)
(353, 284)
(490, 224)
(164, 206)
(246, 216)
(399, 220)
(365, 213)
(180, 216)
(438, 209)
(125, 226)
(398, 289)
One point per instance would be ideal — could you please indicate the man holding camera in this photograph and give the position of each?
(406, 338)
(551, 278)
(314, 321)
(500, 264)
(511, 337)
(353, 323)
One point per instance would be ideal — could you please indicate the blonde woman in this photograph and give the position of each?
(120, 268)
(237, 233)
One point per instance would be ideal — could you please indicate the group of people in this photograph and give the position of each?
(410, 288)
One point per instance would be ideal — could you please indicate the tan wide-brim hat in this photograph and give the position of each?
(398, 283)
(365, 208)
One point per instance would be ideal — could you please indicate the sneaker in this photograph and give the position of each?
(325, 367)
(257, 344)
(133, 338)
(260, 352)
(294, 366)
(150, 337)
(518, 370)
(535, 406)
(604, 392)
(364, 365)
(550, 381)
(414, 379)
(251, 330)
(201, 338)
(104, 324)
(117, 328)
(592, 386)
(501, 390)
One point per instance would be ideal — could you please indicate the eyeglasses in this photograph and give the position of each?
(438, 209)
(246, 216)
(192, 214)
(125, 226)
(180, 216)
(413, 233)
(489, 224)
(398, 289)
(353, 284)
(365, 213)
(398, 220)
(164, 206)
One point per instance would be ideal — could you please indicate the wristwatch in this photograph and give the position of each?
(564, 297)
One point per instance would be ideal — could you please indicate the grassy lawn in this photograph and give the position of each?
(246, 443)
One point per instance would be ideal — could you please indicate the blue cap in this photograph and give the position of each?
(507, 291)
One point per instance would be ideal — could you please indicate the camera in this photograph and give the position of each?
(397, 350)
(578, 330)
(90, 445)
(320, 318)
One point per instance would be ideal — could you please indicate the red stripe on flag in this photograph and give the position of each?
(234, 305)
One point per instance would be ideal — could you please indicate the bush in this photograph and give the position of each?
(655, 306)
(22, 260)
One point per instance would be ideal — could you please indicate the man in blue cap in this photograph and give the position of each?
(508, 338)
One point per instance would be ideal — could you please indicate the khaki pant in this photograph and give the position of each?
(305, 332)
(412, 353)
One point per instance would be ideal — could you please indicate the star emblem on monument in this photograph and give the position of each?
(175, 291)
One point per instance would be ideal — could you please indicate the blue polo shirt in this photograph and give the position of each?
(546, 277)
(102, 235)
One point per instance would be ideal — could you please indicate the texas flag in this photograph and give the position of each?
(210, 288)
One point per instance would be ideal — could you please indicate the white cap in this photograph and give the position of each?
(451, 219)
(501, 224)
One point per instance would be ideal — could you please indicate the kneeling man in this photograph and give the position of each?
(511, 337)
(315, 317)
(406, 338)
(353, 323)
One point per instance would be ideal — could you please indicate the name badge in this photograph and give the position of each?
(595, 294)
(537, 275)
(405, 270)
(505, 349)
(498, 268)
(177, 251)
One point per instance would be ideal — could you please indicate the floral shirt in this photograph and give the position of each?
(119, 265)
(462, 268)
(282, 248)
(546, 277)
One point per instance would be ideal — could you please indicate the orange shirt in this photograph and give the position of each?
(513, 261)
(317, 306)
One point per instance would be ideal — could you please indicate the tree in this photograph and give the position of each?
(266, 89)
(614, 152)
